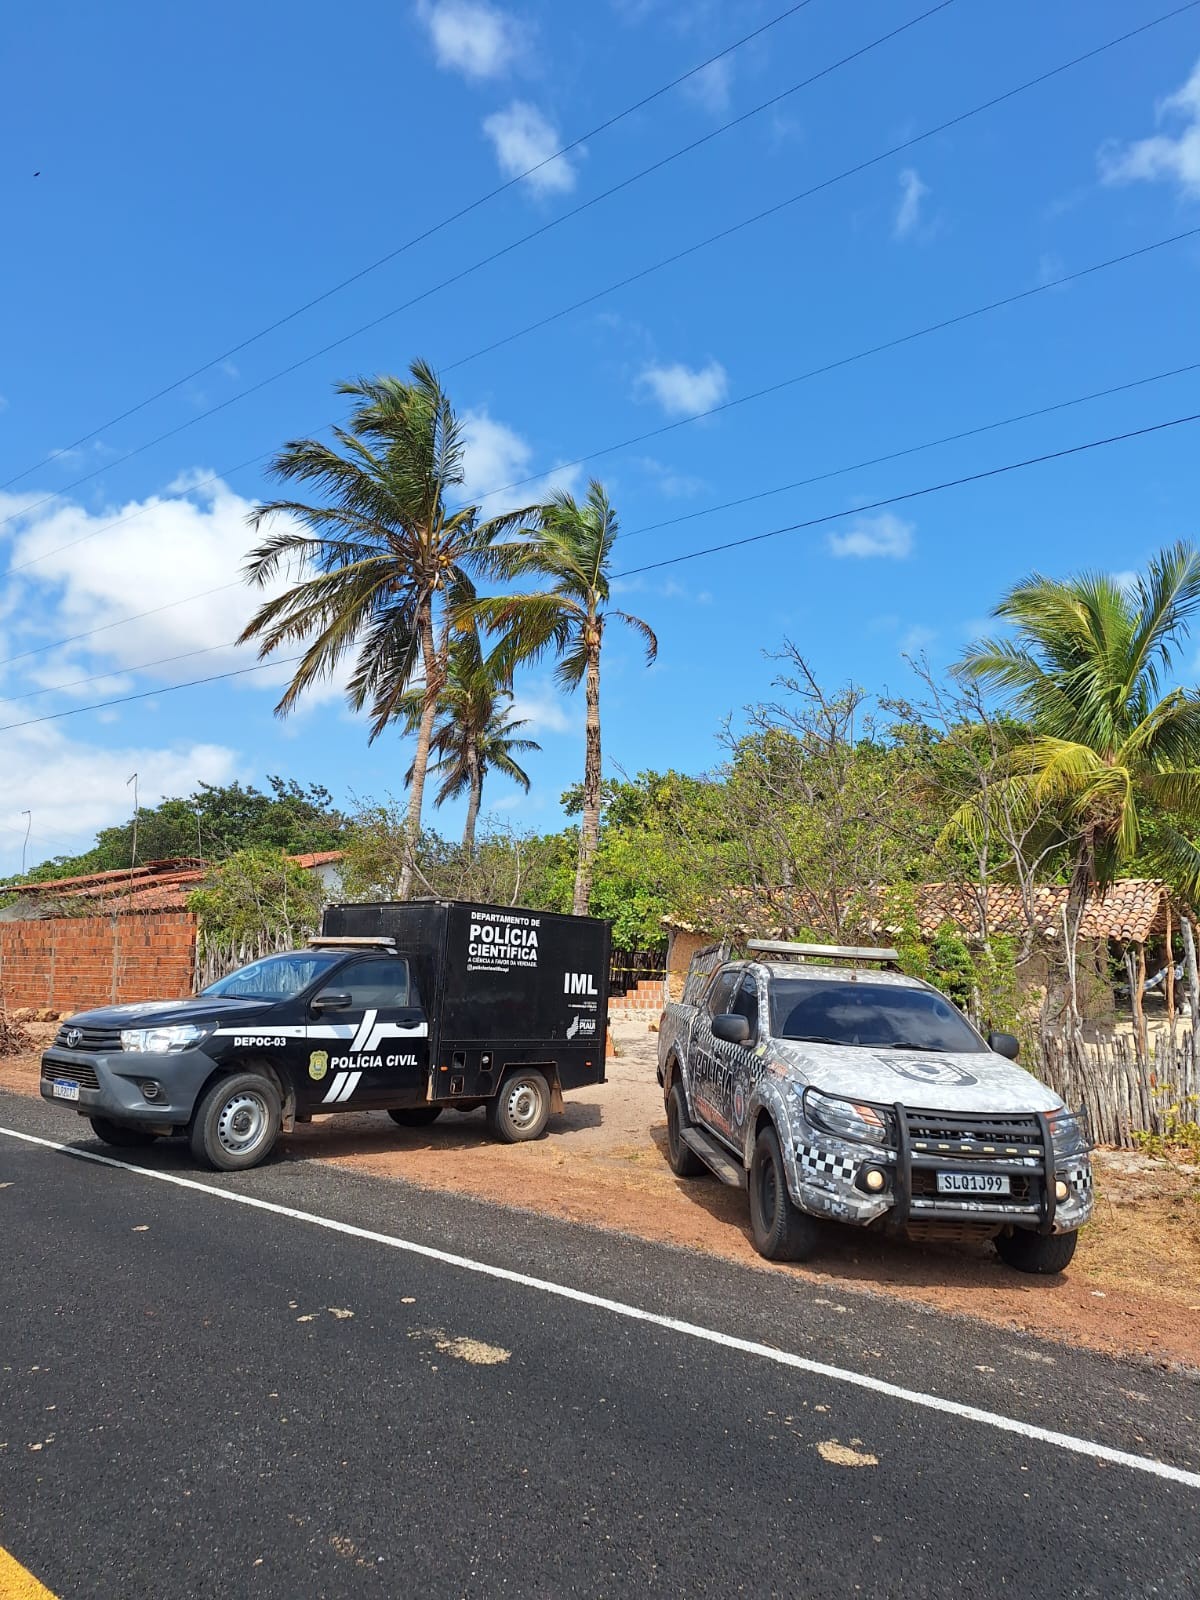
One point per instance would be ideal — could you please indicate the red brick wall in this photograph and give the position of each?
(75, 963)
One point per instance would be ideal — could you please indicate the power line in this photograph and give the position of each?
(911, 494)
(420, 238)
(704, 511)
(726, 405)
(150, 694)
(120, 622)
(693, 555)
(909, 450)
(115, 672)
(667, 261)
(488, 260)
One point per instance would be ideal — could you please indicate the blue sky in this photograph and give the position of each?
(201, 175)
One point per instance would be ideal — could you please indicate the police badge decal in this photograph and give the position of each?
(318, 1064)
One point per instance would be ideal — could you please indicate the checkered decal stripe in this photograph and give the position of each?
(1080, 1180)
(821, 1163)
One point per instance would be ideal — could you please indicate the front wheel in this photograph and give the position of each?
(236, 1123)
(1041, 1253)
(120, 1135)
(782, 1232)
(415, 1116)
(522, 1108)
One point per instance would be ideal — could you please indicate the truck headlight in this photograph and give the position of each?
(1069, 1133)
(163, 1041)
(847, 1119)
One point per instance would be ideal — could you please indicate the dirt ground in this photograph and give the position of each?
(1133, 1288)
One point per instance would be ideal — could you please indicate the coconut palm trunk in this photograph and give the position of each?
(474, 797)
(432, 689)
(592, 771)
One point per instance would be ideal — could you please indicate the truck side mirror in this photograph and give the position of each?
(730, 1028)
(1004, 1044)
(333, 1000)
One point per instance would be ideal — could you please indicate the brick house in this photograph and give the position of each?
(111, 937)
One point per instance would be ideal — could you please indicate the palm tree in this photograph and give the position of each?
(1108, 746)
(375, 558)
(571, 547)
(475, 733)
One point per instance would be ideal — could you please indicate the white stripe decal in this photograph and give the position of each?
(690, 1330)
(351, 1084)
(335, 1089)
(364, 1030)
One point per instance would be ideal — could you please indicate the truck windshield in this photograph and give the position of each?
(274, 977)
(881, 1015)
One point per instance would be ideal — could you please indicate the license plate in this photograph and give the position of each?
(972, 1183)
(63, 1089)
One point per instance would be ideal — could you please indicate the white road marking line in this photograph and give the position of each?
(690, 1330)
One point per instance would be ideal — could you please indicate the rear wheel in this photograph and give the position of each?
(685, 1163)
(781, 1231)
(415, 1116)
(236, 1123)
(1036, 1252)
(120, 1135)
(522, 1108)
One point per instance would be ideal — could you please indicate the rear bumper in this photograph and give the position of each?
(110, 1084)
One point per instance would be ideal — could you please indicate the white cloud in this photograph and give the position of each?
(523, 139)
(908, 212)
(674, 485)
(711, 87)
(144, 556)
(74, 788)
(495, 455)
(1175, 158)
(684, 391)
(544, 710)
(914, 640)
(882, 535)
(471, 36)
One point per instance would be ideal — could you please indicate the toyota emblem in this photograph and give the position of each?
(74, 1035)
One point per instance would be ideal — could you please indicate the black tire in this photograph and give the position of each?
(120, 1135)
(522, 1108)
(236, 1124)
(416, 1116)
(1041, 1253)
(684, 1161)
(781, 1231)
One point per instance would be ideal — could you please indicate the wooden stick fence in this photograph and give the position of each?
(1126, 1091)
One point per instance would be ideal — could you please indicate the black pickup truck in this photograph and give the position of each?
(406, 1008)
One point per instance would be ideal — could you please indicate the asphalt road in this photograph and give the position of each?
(204, 1398)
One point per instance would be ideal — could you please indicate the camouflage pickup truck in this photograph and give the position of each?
(834, 1087)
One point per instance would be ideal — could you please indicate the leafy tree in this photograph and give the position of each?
(256, 900)
(1085, 668)
(572, 549)
(475, 733)
(380, 553)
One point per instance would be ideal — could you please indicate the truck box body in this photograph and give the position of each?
(502, 986)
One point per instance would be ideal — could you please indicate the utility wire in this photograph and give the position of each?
(909, 450)
(150, 694)
(485, 261)
(911, 494)
(136, 616)
(727, 405)
(623, 283)
(420, 238)
(693, 555)
(689, 516)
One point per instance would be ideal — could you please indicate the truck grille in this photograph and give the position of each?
(89, 1038)
(82, 1074)
(960, 1136)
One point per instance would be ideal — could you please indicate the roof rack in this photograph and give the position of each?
(825, 952)
(381, 942)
